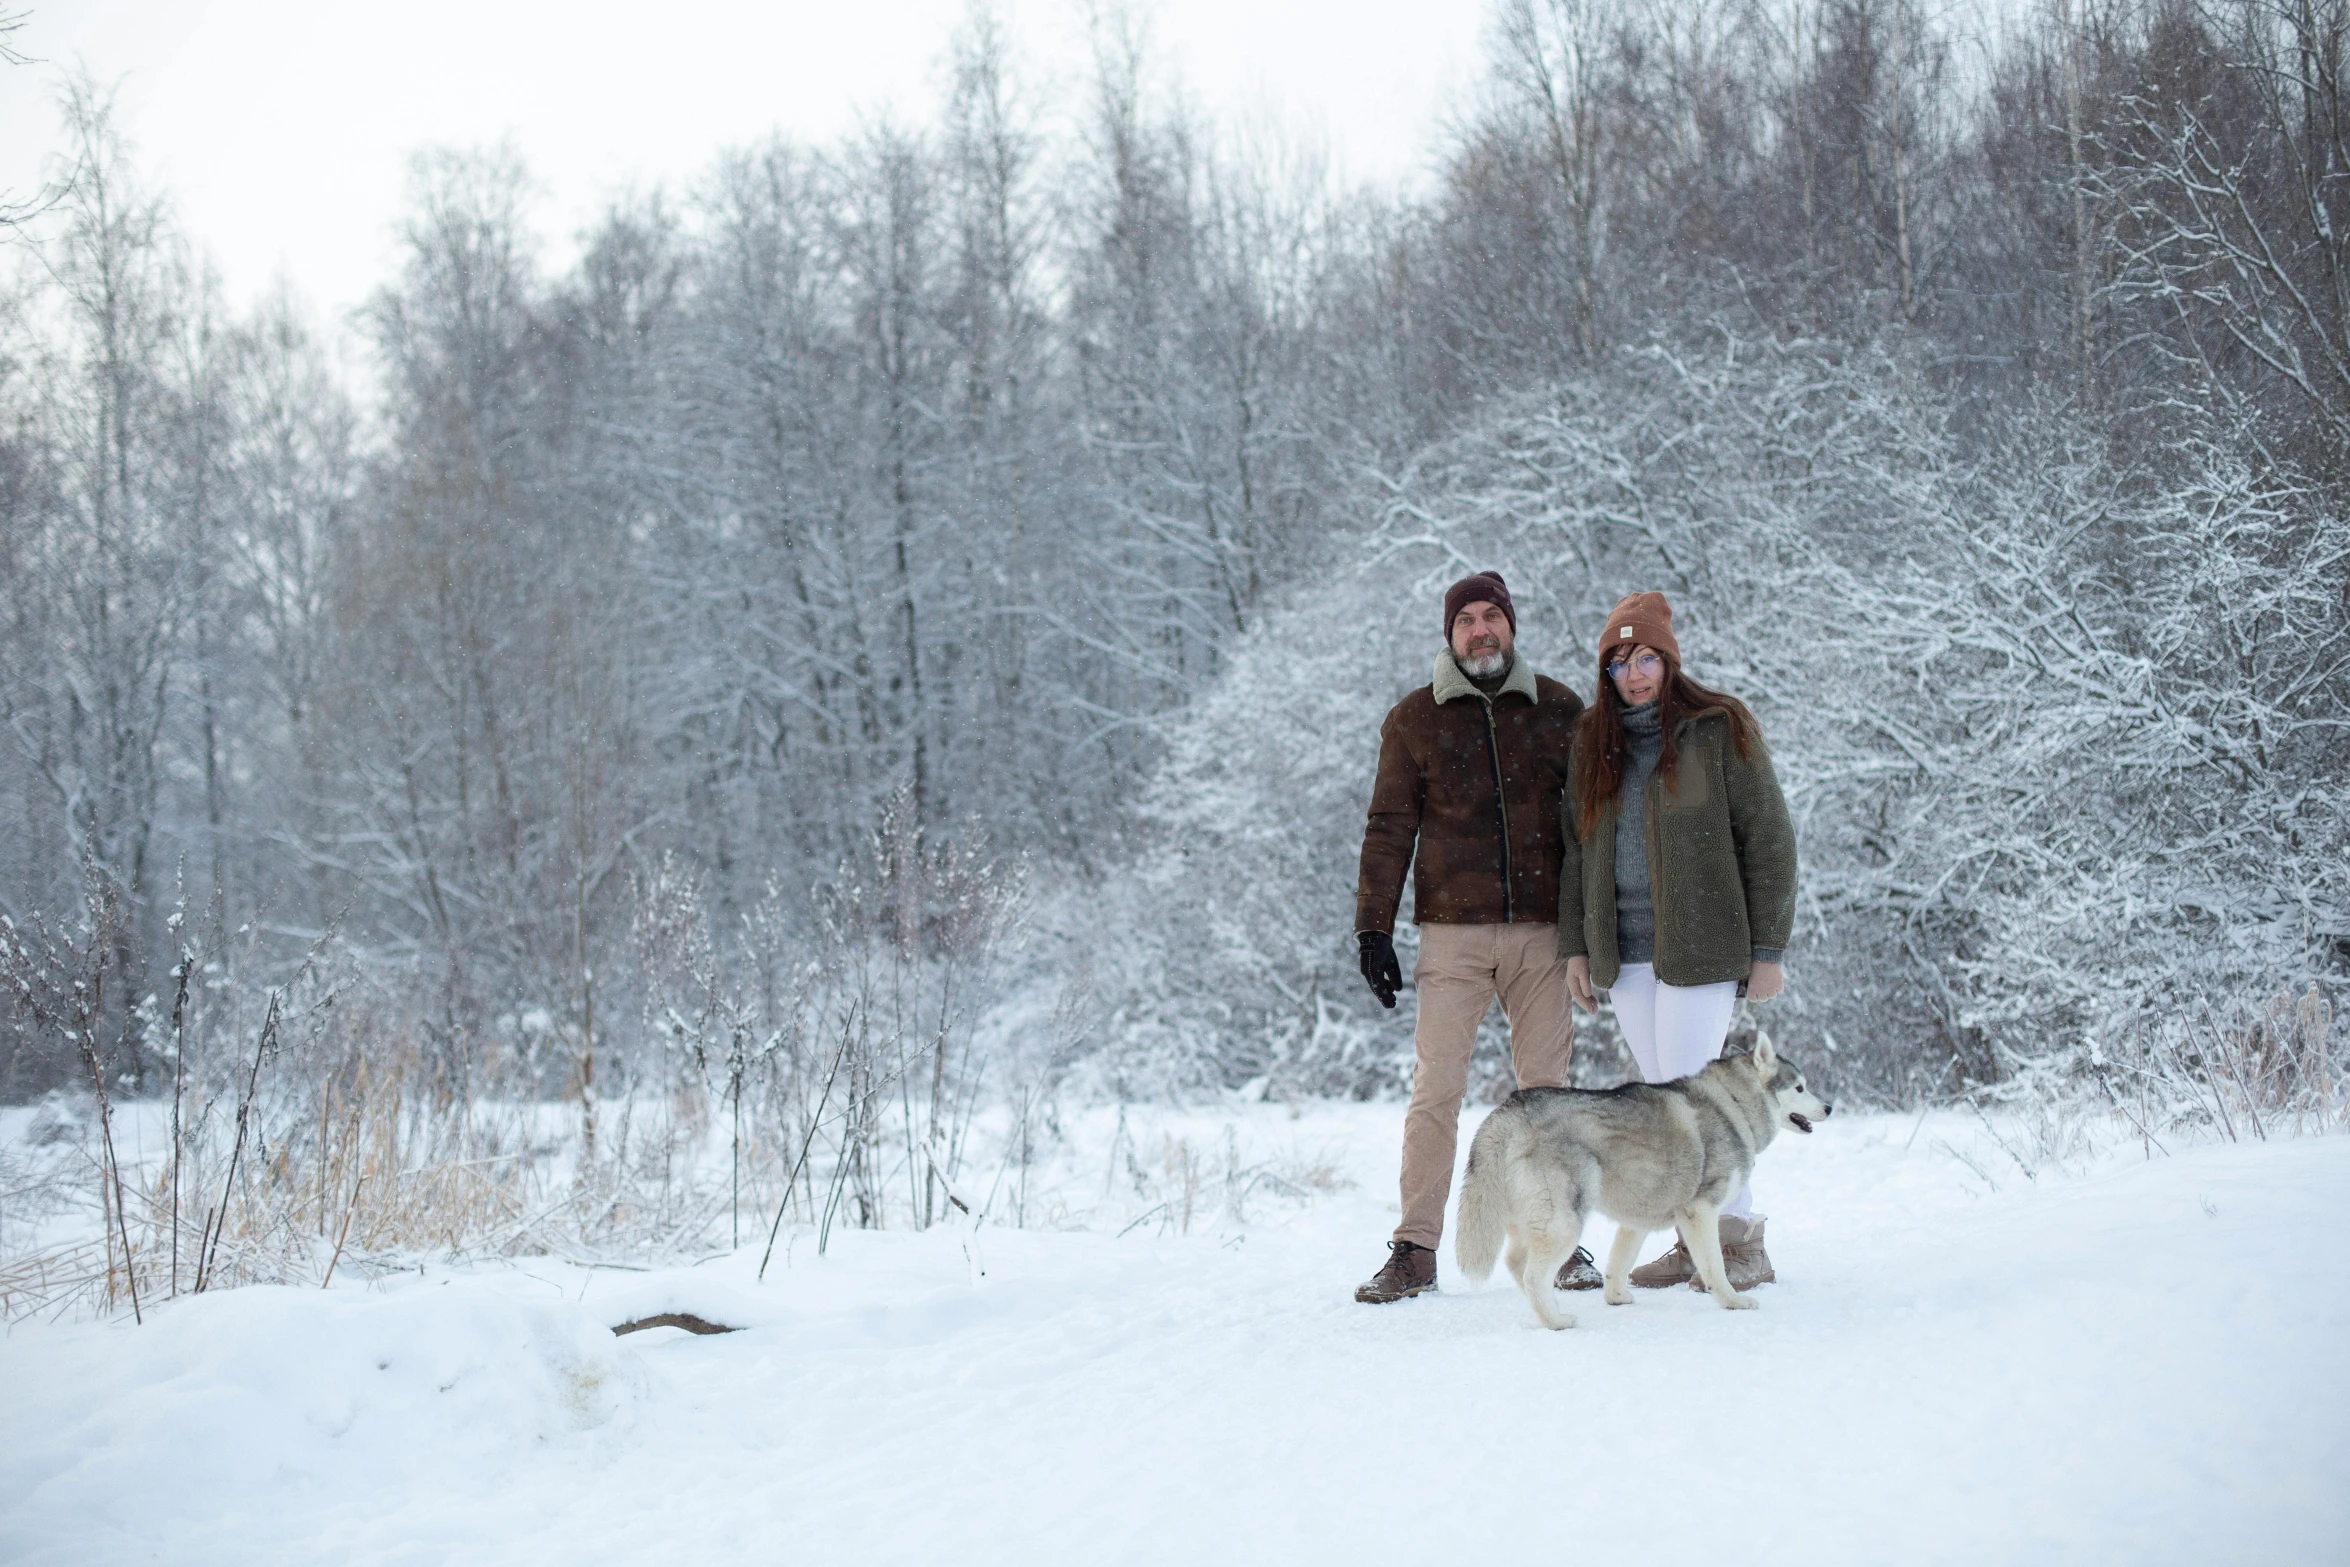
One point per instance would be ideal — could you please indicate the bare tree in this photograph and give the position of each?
(1555, 54)
(13, 212)
(2232, 220)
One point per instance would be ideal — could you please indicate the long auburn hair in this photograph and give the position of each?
(1600, 743)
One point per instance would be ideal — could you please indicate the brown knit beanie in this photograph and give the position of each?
(1639, 618)
(1484, 587)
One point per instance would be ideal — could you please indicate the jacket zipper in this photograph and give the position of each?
(1652, 794)
(1651, 843)
(1501, 812)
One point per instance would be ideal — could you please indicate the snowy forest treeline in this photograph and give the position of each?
(940, 587)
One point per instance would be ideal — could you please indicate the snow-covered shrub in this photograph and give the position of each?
(1226, 950)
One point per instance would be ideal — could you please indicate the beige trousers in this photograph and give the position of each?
(1462, 968)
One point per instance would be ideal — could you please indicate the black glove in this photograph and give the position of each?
(1380, 970)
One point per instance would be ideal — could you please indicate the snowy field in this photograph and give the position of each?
(2136, 1361)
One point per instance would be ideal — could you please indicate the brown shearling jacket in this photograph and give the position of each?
(1474, 783)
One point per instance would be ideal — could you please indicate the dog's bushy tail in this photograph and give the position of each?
(1484, 1218)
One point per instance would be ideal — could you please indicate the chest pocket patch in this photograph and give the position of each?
(1691, 788)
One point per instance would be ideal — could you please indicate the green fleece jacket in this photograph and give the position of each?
(1721, 865)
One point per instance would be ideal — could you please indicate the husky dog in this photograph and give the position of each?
(1647, 1155)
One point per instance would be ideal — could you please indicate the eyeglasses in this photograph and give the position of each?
(1647, 664)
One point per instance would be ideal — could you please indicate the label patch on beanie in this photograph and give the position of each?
(1625, 634)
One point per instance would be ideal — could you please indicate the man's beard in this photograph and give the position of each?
(1484, 666)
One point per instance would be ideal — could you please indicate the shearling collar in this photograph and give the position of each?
(1450, 682)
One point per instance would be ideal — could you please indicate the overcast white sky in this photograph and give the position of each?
(282, 128)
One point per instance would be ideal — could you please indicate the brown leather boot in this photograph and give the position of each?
(1579, 1272)
(1410, 1270)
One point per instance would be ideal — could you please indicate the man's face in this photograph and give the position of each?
(1481, 639)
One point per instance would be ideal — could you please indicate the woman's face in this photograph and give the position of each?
(1639, 674)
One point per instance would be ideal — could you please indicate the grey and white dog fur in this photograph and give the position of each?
(1650, 1156)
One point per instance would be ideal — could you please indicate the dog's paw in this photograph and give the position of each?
(1736, 1302)
(1617, 1295)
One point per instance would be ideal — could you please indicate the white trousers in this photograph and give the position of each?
(1674, 1030)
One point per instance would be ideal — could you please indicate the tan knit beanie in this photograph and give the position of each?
(1639, 618)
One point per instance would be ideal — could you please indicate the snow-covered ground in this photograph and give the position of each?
(2141, 1361)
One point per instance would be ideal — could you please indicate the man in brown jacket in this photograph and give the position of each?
(1471, 770)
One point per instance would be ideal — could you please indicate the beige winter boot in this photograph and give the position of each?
(1674, 1267)
(1743, 1257)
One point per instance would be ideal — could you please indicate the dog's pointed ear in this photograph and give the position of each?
(1765, 1057)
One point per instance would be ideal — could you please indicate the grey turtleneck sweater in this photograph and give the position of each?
(1635, 911)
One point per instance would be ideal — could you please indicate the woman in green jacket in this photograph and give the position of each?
(1678, 890)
